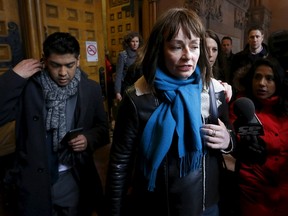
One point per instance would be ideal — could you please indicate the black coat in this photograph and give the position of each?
(23, 99)
(244, 58)
(126, 189)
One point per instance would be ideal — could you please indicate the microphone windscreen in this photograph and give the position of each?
(244, 108)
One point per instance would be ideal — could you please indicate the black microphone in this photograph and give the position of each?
(247, 122)
(251, 149)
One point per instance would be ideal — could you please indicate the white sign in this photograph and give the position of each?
(91, 51)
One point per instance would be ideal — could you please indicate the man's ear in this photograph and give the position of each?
(42, 57)
(78, 61)
(43, 60)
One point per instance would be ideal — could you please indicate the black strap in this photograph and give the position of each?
(213, 106)
(213, 118)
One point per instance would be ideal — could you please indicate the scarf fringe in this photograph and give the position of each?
(152, 180)
(190, 162)
(150, 174)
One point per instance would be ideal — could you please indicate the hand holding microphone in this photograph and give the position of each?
(251, 148)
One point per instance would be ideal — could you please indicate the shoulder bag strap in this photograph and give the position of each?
(213, 106)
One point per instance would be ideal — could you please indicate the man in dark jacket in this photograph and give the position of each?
(226, 46)
(254, 50)
(55, 177)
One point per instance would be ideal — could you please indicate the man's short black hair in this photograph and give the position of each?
(61, 43)
(227, 38)
(255, 27)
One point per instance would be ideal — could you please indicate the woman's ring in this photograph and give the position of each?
(213, 133)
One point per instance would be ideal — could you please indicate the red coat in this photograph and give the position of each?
(264, 188)
(109, 70)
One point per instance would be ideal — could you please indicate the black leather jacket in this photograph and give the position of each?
(126, 186)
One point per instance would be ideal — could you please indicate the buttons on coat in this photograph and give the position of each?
(35, 118)
(40, 170)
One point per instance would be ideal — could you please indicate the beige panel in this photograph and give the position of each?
(5, 53)
(3, 28)
(51, 11)
(3, 70)
(7, 138)
(7, 16)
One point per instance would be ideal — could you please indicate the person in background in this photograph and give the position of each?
(226, 46)
(254, 50)
(218, 64)
(216, 57)
(110, 85)
(168, 138)
(216, 60)
(55, 176)
(262, 160)
(132, 41)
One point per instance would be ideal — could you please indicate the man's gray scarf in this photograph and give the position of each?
(56, 98)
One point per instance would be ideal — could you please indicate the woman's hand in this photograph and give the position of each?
(118, 97)
(228, 90)
(216, 136)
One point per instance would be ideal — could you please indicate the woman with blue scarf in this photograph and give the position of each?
(168, 138)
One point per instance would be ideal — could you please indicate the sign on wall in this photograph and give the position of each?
(91, 51)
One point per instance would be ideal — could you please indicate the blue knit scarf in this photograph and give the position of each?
(179, 115)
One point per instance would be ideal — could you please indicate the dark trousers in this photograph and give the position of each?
(211, 211)
(65, 195)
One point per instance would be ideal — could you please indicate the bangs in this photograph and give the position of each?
(189, 27)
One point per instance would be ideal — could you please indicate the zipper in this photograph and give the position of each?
(166, 185)
(204, 171)
(204, 182)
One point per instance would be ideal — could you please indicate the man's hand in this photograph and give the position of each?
(27, 67)
(78, 143)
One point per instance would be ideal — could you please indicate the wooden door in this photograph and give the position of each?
(23, 38)
(11, 46)
(83, 19)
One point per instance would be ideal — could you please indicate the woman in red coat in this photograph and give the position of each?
(263, 169)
